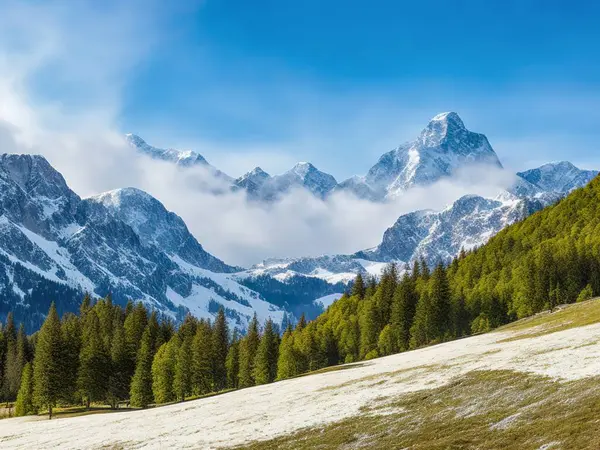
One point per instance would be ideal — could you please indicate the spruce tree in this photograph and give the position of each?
(94, 361)
(233, 362)
(135, 325)
(11, 380)
(48, 369)
(163, 371)
(119, 379)
(287, 362)
(141, 385)
(248, 348)
(25, 404)
(220, 344)
(359, 288)
(422, 330)
(440, 303)
(16, 358)
(404, 305)
(183, 374)
(265, 362)
(71, 332)
(202, 358)
(369, 329)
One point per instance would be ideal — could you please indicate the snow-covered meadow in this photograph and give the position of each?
(281, 408)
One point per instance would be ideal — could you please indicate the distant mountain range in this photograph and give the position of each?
(54, 245)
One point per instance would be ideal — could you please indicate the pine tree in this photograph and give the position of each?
(10, 382)
(202, 358)
(94, 361)
(25, 405)
(359, 288)
(141, 385)
(135, 325)
(265, 362)
(48, 369)
(71, 332)
(220, 344)
(287, 362)
(422, 330)
(85, 306)
(248, 348)
(404, 305)
(188, 327)
(369, 329)
(440, 303)
(163, 371)
(184, 375)
(118, 381)
(233, 362)
(16, 358)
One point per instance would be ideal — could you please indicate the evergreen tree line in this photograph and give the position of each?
(109, 354)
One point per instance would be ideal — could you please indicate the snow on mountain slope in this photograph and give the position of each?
(261, 186)
(440, 235)
(443, 147)
(183, 158)
(159, 227)
(560, 177)
(123, 242)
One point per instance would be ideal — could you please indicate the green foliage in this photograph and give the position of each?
(183, 374)
(248, 348)
(49, 367)
(141, 394)
(202, 358)
(287, 363)
(233, 362)
(25, 405)
(220, 344)
(585, 294)
(120, 362)
(94, 361)
(265, 362)
(163, 371)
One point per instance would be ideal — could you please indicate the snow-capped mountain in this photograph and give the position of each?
(183, 158)
(440, 235)
(560, 177)
(444, 146)
(54, 246)
(259, 185)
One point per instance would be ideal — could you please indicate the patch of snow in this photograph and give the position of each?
(268, 411)
(327, 300)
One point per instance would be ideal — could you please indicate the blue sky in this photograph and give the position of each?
(338, 83)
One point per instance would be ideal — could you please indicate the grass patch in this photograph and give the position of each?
(483, 409)
(568, 316)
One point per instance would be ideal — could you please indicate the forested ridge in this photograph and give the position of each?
(108, 354)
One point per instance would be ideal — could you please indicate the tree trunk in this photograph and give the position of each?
(87, 403)
(50, 412)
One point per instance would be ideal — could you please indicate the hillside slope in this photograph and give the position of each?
(490, 389)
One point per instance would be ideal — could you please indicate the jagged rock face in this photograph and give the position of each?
(161, 228)
(443, 147)
(259, 185)
(439, 236)
(558, 177)
(124, 242)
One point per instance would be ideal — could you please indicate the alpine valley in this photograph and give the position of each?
(55, 245)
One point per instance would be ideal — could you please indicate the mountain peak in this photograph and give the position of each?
(302, 168)
(443, 127)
